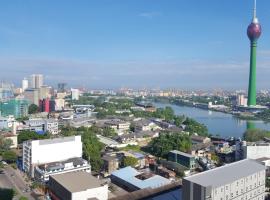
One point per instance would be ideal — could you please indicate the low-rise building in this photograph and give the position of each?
(118, 125)
(184, 159)
(240, 180)
(41, 125)
(77, 186)
(132, 180)
(145, 125)
(42, 172)
(195, 139)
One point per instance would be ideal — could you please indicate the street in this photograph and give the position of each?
(11, 178)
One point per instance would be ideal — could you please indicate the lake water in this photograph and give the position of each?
(223, 124)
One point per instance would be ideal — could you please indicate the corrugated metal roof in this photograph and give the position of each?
(128, 174)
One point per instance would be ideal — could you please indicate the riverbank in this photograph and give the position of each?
(239, 115)
(218, 123)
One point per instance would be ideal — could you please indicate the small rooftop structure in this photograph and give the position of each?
(182, 153)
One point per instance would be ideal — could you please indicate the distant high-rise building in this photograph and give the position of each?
(16, 107)
(25, 84)
(6, 91)
(254, 31)
(46, 105)
(44, 92)
(61, 87)
(36, 80)
(241, 100)
(32, 95)
(75, 94)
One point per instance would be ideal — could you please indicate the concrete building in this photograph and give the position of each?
(59, 104)
(16, 107)
(7, 122)
(132, 180)
(44, 92)
(184, 159)
(242, 180)
(241, 100)
(42, 172)
(32, 95)
(36, 80)
(118, 125)
(42, 125)
(75, 94)
(25, 84)
(252, 150)
(39, 152)
(77, 186)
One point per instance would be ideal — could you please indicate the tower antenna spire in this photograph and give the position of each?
(255, 9)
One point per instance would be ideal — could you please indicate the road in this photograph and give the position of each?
(11, 178)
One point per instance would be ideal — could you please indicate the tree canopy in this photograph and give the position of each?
(192, 126)
(9, 156)
(129, 161)
(166, 142)
(31, 135)
(254, 135)
(33, 108)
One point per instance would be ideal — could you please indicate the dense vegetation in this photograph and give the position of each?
(129, 161)
(91, 146)
(253, 135)
(9, 156)
(264, 115)
(6, 194)
(166, 142)
(4, 144)
(33, 108)
(31, 135)
(193, 126)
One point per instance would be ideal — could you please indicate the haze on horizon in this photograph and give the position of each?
(186, 44)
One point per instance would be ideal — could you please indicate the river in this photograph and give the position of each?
(223, 124)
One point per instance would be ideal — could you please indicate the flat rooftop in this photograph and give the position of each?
(226, 174)
(182, 153)
(77, 181)
(133, 177)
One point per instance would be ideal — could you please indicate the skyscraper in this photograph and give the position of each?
(36, 80)
(24, 84)
(254, 31)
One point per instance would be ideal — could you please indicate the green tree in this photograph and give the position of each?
(193, 126)
(254, 135)
(166, 142)
(130, 161)
(92, 149)
(33, 108)
(109, 132)
(31, 135)
(5, 143)
(23, 198)
(9, 156)
(6, 194)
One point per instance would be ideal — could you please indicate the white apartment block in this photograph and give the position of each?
(37, 152)
(242, 180)
(252, 150)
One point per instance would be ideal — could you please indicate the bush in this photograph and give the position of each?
(9, 156)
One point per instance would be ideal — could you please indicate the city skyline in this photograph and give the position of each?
(92, 45)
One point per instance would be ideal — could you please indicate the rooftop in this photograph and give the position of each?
(132, 176)
(226, 174)
(57, 140)
(77, 181)
(182, 153)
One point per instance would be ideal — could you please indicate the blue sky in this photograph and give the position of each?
(188, 44)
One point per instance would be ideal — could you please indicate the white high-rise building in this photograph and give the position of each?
(244, 179)
(75, 94)
(36, 80)
(25, 84)
(241, 100)
(39, 152)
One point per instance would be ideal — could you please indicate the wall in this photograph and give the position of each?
(101, 193)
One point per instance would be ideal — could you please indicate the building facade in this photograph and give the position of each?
(39, 152)
(184, 159)
(242, 180)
